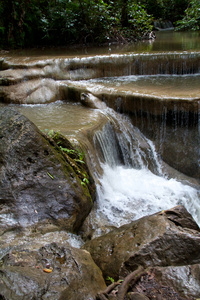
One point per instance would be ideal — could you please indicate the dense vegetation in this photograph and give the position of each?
(61, 22)
(191, 20)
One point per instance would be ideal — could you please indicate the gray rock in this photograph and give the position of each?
(37, 183)
(185, 280)
(50, 272)
(168, 238)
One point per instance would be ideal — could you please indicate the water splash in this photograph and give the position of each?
(126, 194)
(133, 183)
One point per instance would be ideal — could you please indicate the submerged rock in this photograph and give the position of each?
(168, 238)
(73, 274)
(89, 100)
(37, 183)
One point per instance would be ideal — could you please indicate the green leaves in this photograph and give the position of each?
(73, 156)
(110, 279)
(60, 22)
(85, 181)
(139, 18)
(77, 153)
(191, 20)
(68, 151)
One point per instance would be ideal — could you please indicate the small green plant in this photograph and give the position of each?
(110, 279)
(76, 152)
(52, 134)
(85, 181)
(75, 156)
(68, 151)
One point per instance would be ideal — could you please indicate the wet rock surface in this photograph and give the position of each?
(185, 280)
(177, 283)
(37, 183)
(185, 158)
(41, 200)
(169, 238)
(152, 285)
(53, 271)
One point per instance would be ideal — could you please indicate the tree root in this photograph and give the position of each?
(123, 288)
(133, 277)
(101, 297)
(108, 290)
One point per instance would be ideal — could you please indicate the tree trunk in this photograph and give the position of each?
(124, 13)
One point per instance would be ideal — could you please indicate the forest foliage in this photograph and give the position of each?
(27, 23)
(191, 19)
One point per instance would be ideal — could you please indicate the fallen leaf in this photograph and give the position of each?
(48, 270)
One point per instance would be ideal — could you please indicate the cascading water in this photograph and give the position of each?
(123, 144)
(160, 93)
(131, 179)
(133, 183)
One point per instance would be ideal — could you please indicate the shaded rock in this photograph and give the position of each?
(50, 272)
(177, 283)
(162, 239)
(37, 183)
(180, 149)
(152, 287)
(185, 280)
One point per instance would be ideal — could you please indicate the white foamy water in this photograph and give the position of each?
(126, 194)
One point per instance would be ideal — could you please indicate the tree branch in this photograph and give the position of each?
(134, 277)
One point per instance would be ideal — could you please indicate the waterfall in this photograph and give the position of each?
(160, 93)
(163, 25)
(134, 183)
(121, 143)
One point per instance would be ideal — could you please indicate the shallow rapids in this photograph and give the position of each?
(138, 185)
(127, 194)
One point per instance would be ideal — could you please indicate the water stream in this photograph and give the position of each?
(131, 178)
(134, 181)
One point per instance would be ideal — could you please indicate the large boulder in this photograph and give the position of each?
(168, 238)
(53, 271)
(37, 182)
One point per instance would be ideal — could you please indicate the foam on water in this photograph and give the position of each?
(126, 194)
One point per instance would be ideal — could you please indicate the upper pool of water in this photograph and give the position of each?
(65, 117)
(181, 86)
(164, 41)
